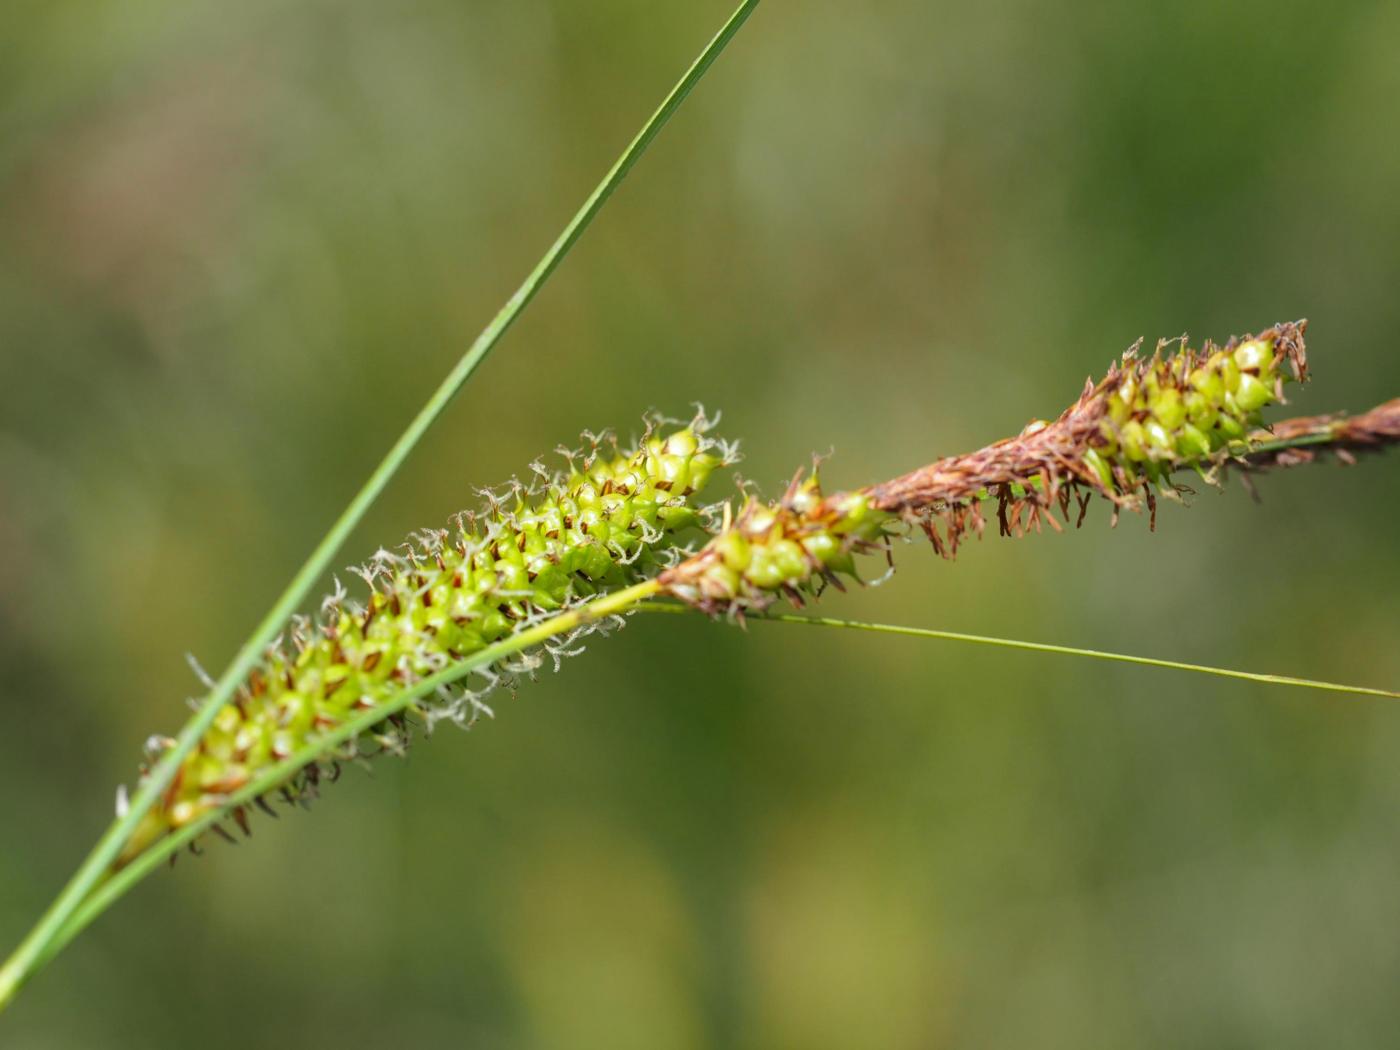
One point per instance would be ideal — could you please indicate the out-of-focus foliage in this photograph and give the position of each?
(239, 243)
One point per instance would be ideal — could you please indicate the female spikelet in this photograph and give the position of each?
(610, 519)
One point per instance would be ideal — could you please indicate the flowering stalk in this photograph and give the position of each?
(610, 520)
(1122, 440)
(1372, 430)
(791, 548)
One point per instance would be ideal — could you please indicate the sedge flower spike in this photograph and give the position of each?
(1123, 439)
(611, 519)
(789, 549)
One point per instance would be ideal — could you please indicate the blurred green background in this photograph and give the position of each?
(240, 243)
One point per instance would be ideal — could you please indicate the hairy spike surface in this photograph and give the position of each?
(1122, 439)
(612, 518)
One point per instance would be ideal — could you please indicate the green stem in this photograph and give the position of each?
(22, 963)
(1043, 647)
(1323, 436)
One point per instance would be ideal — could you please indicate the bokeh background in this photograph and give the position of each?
(240, 243)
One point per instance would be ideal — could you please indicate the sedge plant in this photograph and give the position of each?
(455, 613)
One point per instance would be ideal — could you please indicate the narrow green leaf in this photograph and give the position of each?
(1044, 647)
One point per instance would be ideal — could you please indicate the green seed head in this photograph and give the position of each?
(1189, 410)
(612, 518)
(791, 549)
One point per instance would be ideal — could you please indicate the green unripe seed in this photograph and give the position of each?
(764, 570)
(1253, 393)
(760, 519)
(790, 559)
(1108, 439)
(1254, 355)
(823, 546)
(677, 519)
(1191, 443)
(1159, 440)
(701, 467)
(1134, 441)
(1230, 427)
(1120, 410)
(729, 581)
(1200, 410)
(1231, 372)
(1168, 409)
(683, 444)
(733, 550)
(805, 498)
(1100, 467)
(1210, 382)
(675, 472)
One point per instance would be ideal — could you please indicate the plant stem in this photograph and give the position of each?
(115, 886)
(1043, 647)
(36, 946)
